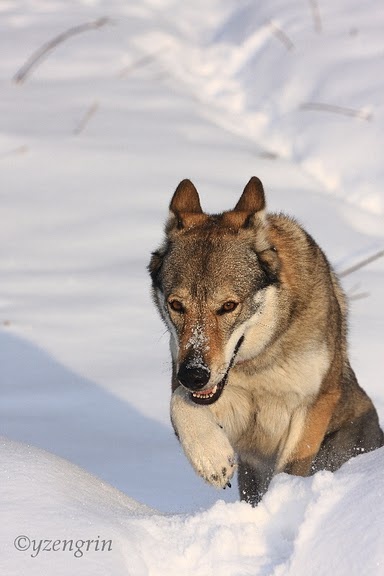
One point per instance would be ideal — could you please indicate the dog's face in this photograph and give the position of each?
(211, 282)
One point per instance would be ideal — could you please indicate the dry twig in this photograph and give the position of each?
(323, 107)
(34, 60)
(316, 15)
(282, 36)
(359, 296)
(90, 112)
(361, 263)
(139, 63)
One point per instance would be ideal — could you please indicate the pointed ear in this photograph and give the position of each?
(249, 212)
(185, 199)
(185, 209)
(252, 199)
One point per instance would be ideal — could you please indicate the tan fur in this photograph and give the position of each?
(316, 423)
(258, 340)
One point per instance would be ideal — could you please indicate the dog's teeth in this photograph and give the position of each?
(202, 395)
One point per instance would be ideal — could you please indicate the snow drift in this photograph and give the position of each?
(327, 524)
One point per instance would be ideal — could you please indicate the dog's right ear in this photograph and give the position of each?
(185, 208)
(185, 199)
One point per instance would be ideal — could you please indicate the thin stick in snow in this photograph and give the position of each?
(316, 15)
(139, 63)
(354, 294)
(35, 59)
(359, 296)
(90, 112)
(361, 263)
(323, 107)
(282, 36)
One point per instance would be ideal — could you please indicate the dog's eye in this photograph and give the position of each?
(176, 306)
(229, 306)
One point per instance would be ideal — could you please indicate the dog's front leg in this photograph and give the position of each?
(203, 440)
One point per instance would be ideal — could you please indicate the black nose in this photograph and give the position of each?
(193, 377)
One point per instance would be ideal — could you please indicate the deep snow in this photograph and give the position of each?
(327, 524)
(215, 91)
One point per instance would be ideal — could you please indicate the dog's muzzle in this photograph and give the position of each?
(195, 378)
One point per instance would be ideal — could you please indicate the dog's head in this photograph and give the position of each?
(214, 282)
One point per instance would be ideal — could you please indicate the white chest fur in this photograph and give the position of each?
(264, 414)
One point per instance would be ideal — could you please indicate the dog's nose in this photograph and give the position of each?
(193, 377)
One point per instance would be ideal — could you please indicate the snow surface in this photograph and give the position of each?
(326, 524)
(92, 145)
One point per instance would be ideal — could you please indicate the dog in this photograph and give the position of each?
(261, 379)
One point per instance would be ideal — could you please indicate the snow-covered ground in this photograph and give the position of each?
(92, 145)
(58, 520)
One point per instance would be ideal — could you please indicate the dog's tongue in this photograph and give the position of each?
(206, 392)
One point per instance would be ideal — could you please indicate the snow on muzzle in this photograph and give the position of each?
(194, 375)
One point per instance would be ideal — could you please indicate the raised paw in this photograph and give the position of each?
(222, 480)
(204, 442)
(213, 458)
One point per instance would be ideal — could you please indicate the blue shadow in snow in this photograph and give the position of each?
(45, 404)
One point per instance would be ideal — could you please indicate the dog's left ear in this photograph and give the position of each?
(252, 199)
(249, 213)
(252, 205)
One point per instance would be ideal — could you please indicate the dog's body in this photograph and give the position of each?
(257, 321)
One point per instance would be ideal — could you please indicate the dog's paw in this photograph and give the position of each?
(212, 457)
(204, 442)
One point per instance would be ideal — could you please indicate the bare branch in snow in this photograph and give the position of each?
(361, 264)
(344, 111)
(316, 15)
(282, 36)
(359, 296)
(35, 59)
(268, 154)
(90, 112)
(139, 63)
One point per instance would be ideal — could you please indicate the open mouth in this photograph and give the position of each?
(213, 394)
(208, 396)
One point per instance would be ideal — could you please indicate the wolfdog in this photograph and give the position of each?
(257, 323)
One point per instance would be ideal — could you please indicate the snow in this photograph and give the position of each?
(92, 145)
(329, 523)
